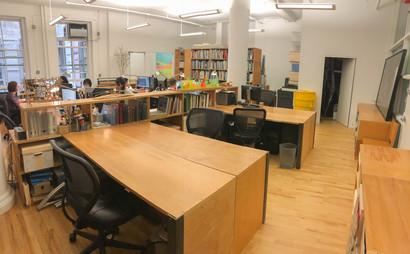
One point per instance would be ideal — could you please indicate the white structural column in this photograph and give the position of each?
(238, 37)
(6, 193)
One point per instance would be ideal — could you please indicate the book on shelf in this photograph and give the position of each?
(212, 54)
(168, 105)
(201, 74)
(196, 100)
(119, 113)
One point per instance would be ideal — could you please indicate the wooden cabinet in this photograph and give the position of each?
(373, 129)
(384, 180)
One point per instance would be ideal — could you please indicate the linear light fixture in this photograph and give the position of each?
(256, 30)
(132, 11)
(199, 14)
(137, 26)
(89, 1)
(192, 34)
(306, 6)
(56, 20)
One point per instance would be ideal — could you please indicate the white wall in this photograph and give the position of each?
(355, 30)
(277, 66)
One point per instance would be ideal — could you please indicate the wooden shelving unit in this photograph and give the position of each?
(294, 59)
(253, 76)
(199, 63)
(182, 59)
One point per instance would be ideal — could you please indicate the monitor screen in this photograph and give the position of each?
(143, 82)
(392, 71)
(256, 93)
(68, 94)
(244, 92)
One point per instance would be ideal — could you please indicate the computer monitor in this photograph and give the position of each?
(143, 82)
(251, 93)
(68, 94)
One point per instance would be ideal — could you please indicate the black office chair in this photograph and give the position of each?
(247, 126)
(205, 122)
(10, 124)
(268, 98)
(102, 213)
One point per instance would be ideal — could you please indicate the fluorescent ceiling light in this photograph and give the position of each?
(306, 6)
(137, 26)
(56, 20)
(89, 1)
(199, 14)
(192, 34)
(146, 14)
(256, 30)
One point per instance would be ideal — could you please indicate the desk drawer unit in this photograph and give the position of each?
(37, 157)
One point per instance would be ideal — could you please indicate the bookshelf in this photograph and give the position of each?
(294, 59)
(253, 76)
(182, 59)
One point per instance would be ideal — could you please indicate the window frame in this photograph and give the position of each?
(88, 47)
(24, 47)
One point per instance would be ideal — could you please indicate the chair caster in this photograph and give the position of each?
(73, 237)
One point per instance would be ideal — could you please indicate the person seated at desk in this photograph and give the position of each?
(13, 102)
(85, 91)
(87, 83)
(63, 81)
(122, 86)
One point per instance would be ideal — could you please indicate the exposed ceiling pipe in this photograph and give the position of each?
(134, 12)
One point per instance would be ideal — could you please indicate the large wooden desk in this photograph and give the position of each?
(249, 166)
(304, 120)
(214, 203)
(385, 176)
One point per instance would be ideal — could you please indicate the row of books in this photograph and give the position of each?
(196, 100)
(43, 122)
(209, 65)
(169, 104)
(200, 74)
(215, 54)
(119, 113)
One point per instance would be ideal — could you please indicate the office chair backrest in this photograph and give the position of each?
(82, 182)
(249, 121)
(10, 124)
(205, 122)
(268, 98)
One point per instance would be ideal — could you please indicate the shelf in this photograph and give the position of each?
(160, 116)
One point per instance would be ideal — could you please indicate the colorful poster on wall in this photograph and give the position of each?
(163, 64)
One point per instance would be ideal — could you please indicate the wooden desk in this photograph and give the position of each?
(249, 166)
(199, 201)
(304, 120)
(386, 188)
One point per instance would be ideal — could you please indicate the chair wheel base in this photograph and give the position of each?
(73, 237)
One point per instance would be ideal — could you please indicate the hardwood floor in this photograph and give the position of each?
(308, 210)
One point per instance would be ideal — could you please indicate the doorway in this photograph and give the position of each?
(338, 79)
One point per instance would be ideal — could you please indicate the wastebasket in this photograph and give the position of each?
(287, 155)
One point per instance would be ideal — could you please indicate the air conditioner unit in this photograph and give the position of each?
(76, 31)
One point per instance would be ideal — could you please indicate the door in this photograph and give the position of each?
(137, 63)
(346, 88)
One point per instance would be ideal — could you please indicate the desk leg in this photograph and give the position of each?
(300, 144)
(176, 236)
(265, 198)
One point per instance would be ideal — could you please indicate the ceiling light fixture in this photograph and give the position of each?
(192, 34)
(52, 21)
(306, 6)
(132, 11)
(137, 26)
(89, 1)
(256, 30)
(56, 20)
(199, 14)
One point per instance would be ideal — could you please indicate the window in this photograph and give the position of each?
(11, 52)
(72, 54)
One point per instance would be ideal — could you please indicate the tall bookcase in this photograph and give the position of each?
(182, 59)
(294, 59)
(253, 76)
